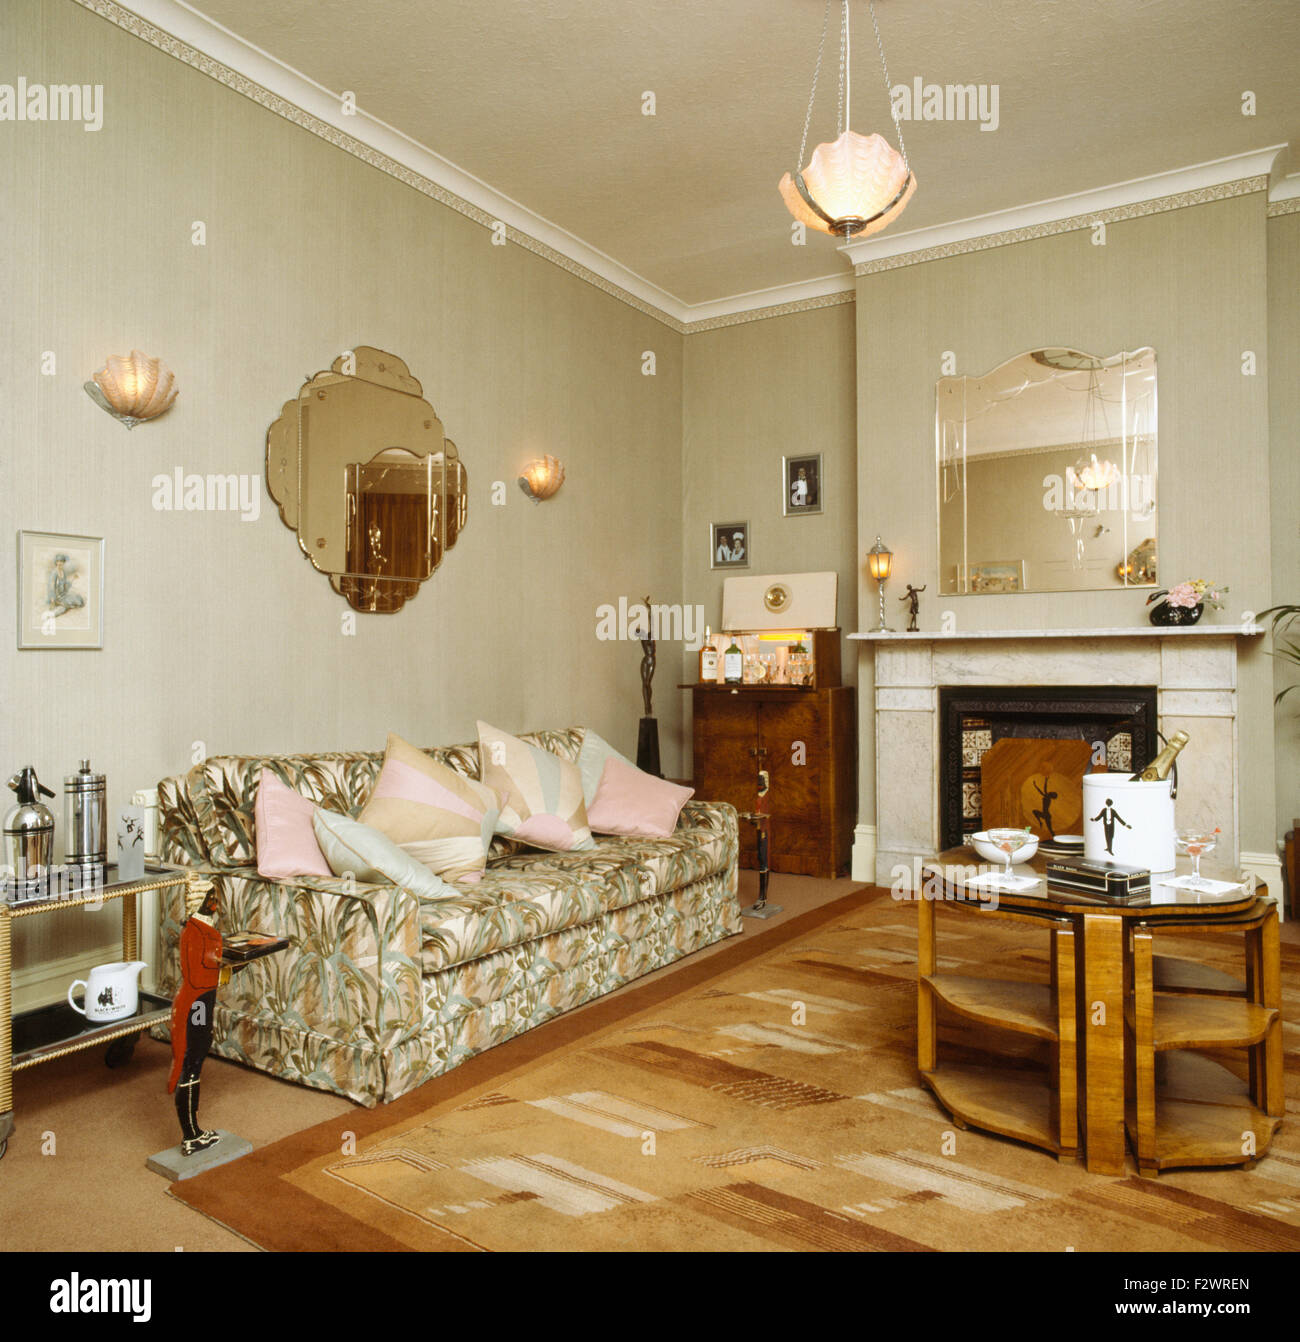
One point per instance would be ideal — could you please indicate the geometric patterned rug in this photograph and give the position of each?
(765, 1097)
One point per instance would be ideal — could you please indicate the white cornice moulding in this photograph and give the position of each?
(1140, 190)
(219, 44)
(202, 43)
(1285, 188)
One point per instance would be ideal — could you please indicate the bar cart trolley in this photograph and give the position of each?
(48, 1032)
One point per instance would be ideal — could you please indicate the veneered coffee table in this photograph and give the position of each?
(1194, 1007)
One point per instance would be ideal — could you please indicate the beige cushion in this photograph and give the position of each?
(438, 816)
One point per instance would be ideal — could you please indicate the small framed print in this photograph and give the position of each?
(995, 575)
(729, 545)
(802, 481)
(60, 590)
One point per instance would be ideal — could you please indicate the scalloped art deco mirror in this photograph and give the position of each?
(360, 469)
(1047, 474)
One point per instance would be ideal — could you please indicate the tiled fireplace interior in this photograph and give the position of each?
(973, 717)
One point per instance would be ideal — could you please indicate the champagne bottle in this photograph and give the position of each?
(708, 658)
(733, 664)
(1159, 767)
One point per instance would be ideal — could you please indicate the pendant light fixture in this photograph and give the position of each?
(859, 184)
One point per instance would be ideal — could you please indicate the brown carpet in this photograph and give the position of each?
(763, 1098)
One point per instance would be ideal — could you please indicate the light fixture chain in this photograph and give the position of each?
(880, 46)
(841, 119)
(817, 74)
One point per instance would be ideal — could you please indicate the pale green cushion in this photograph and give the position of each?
(372, 857)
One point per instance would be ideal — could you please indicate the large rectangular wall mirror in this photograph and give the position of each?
(1047, 474)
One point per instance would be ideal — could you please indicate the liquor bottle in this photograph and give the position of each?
(708, 658)
(1160, 766)
(733, 663)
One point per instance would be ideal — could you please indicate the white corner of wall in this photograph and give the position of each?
(864, 853)
(1267, 868)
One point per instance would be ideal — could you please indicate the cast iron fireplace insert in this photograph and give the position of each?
(973, 717)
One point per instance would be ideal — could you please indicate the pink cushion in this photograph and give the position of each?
(286, 841)
(633, 803)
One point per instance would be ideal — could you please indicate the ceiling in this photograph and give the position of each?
(542, 100)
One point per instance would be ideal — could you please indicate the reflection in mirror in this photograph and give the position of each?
(360, 469)
(1047, 474)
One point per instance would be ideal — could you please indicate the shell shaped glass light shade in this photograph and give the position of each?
(852, 188)
(541, 478)
(133, 388)
(857, 184)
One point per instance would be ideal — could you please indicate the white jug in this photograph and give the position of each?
(112, 991)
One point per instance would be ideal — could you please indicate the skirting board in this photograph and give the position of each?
(864, 853)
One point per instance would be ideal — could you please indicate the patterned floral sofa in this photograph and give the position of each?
(381, 990)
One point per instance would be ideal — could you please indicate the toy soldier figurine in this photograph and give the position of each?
(913, 598)
(201, 972)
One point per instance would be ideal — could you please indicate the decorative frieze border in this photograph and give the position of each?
(190, 54)
(183, 51)
(1112, 214)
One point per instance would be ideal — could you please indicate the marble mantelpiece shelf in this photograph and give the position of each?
(1135, 631)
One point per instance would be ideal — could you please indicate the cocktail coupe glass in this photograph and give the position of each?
(1196, 841)
(1006, 841)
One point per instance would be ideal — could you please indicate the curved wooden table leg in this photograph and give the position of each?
(1101, 1023)
(1143, 1065)
(1065, 1060)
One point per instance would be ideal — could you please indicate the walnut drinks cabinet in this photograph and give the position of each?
(805, 739)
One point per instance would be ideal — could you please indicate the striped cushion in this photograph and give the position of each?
(438, 816)
(541, 794)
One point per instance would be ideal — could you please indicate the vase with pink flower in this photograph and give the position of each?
(1185, 603)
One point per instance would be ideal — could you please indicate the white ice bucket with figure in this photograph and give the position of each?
(1128, 822)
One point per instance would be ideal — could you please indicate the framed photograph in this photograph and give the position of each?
(729, 545)
(802, 482)
(996, 575)
(60, 590)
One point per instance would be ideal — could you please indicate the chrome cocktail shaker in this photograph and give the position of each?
(28, 830)
(86, 819)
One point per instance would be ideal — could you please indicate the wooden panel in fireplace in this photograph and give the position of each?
(1119, 722)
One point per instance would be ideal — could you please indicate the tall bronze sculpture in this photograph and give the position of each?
(647, 741)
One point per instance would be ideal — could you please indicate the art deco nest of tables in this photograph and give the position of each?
(1125, 1026)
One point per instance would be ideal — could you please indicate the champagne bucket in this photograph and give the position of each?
(1128, 822)
(86, 817)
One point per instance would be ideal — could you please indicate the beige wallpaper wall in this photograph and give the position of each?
(751, 394)
(217, 631)
(1284, 435)
(1192, 284)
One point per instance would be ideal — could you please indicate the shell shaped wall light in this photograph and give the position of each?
(541, 478)
(133, 388)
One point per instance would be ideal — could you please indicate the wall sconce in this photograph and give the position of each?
(541, 478)
(133, 388)
(879, 562)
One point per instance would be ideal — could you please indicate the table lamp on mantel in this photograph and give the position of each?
(879, 562)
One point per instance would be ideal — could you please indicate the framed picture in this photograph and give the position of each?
(60, 590)
(996, 575)
(729, 545)
(801, 479)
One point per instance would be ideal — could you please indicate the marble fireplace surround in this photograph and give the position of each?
(1193, 668)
